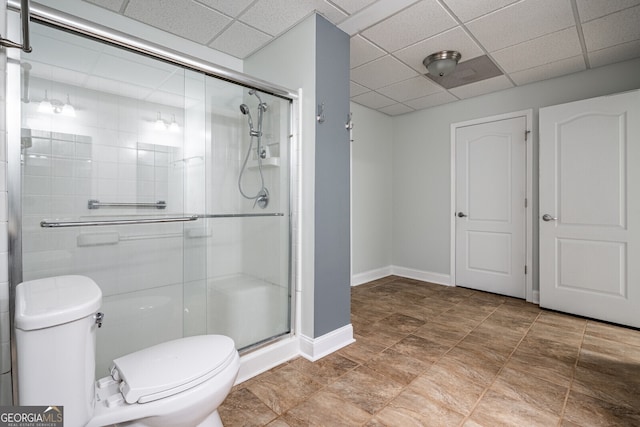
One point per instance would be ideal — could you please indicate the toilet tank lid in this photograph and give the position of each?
(171, 367)
(52, 301)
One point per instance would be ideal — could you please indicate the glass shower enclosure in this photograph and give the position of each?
(151, 179)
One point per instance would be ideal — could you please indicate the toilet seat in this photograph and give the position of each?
(171, 367)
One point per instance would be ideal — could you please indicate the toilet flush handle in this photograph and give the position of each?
(99, 317)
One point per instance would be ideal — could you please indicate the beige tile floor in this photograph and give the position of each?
(430, 355)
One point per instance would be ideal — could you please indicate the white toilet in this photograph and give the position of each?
(178, 383)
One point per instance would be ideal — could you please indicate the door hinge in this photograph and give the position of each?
(526, 135)
(525, 269)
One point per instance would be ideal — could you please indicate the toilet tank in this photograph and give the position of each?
(55, 325)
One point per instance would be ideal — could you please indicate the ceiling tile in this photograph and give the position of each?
(240, 40)
(480, 88)
(363, 51)
(467, 10)
(431, 100)
(396, 109)
(330, 12)
(352, 6)
(410, 89)
(520, 22)
(418, 22)
(542, 50)
(618, 53)
(231, 8)
(548, 71)
(592, 9)
(114, 5)
(184, 18)
(381, 72)
(454, 39)
(276, 16)
(356, 89)
(373, 100)
(617, 28)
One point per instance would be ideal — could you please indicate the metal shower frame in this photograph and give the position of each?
(45, 15)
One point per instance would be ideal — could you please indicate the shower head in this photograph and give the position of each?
(244, 109)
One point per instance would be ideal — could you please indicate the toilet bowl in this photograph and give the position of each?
(178, 383)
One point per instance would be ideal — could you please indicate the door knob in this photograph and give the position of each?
(547, 217)
(461, 215)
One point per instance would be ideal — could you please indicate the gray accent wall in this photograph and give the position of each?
(332, 178)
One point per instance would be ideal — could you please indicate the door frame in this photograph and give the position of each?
(528, 115)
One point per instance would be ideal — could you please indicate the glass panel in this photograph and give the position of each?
(147, 139)
(248, 281)
(110, 148)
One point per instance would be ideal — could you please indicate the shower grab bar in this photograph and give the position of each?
(61, 224)
(96, 204)
(247, 215)
(25, 16)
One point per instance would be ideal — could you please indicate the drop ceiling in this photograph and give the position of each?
(529, 40)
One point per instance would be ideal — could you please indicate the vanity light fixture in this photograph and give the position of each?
(54, 106)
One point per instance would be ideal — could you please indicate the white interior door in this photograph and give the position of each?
(490, 206)
(590, 192)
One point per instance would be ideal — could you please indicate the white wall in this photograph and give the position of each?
(371, 194)
(289, 61)
(421, 154)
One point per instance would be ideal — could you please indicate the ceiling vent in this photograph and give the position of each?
(471, 71)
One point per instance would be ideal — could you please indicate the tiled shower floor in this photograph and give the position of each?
(430, 355)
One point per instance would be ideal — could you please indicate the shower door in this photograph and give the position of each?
(247, 290)
(129, 168)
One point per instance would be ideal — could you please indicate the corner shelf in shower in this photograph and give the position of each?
(271, 162)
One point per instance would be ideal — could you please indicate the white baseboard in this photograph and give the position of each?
(316, 348)
(368, 276)
(262, 360)
(425, 276)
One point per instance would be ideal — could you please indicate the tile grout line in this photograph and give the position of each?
(500, 370)
(406, 386)
(573, 374)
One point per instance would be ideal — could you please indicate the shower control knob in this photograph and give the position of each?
(461, 215)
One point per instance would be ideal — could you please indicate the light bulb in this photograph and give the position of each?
(173, 127)
(45, 105)
(67, 109)
(160, 124)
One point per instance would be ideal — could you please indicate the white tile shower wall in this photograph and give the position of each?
(114, 155)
